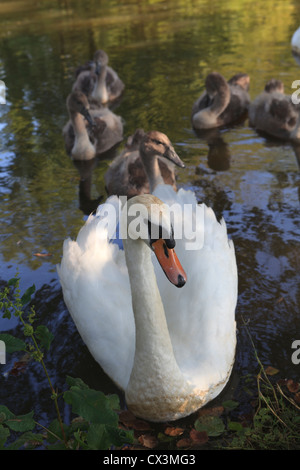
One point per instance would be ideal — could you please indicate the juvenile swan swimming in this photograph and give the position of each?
(90, 132)
(147, 160)
(98, 81)
(222, 103)
(274, 113)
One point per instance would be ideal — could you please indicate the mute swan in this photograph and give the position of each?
(99, 82)
(147, 160)
(274, 113)
(223, 102)
(98, 132)
(171, 350)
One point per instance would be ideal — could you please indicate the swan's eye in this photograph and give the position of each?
(158, 142)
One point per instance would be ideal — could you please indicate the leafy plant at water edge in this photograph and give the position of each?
(276, 423)
(96, 426)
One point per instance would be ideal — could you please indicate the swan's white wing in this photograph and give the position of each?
(201, 315)
(96, 290)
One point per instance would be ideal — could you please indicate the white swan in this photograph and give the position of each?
(171, 350)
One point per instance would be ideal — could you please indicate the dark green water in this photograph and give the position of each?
(162, 50)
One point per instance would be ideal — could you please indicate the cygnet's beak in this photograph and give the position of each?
(98, 67)
(171, 155)
(88, 117)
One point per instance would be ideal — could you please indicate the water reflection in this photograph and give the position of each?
(218, 156)
(86, 203)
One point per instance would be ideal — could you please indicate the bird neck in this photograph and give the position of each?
(83, 149)
(100, 91)
(152, 170)
(208, 117)
(154, 359)
(147, 305)
(220, 100)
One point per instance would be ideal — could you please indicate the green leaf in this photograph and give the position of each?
(162, 437)
(78, 424)
(97, 438)
(6, 314)
(235, 426)
(79, 438)
(230, 404)
(12, 344)
(92, 405)
(4, 434)
(44, 336)
(102, 437)
(19, 423)
(26, 297)
(28, 439)
(114, 401)
(13, 281)
(118, 436)
(212, 425)
(76, 382)
(54, 431)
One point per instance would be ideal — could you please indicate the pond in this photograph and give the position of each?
(162, 50)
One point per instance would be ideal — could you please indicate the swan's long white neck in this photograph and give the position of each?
(152, 336)
(100, 91)
(154, 361)
(83, 149)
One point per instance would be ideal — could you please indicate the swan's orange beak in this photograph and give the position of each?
(169, 262)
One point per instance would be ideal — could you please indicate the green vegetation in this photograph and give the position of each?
(276, 423)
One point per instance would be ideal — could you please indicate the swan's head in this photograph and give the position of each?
(215, 84)
(274, 85)
(155, 143)
(101, 60)
(77, 102)
(240, 79)
(134, 141)
(147, 218)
